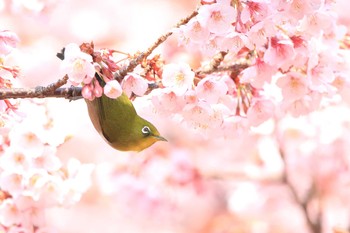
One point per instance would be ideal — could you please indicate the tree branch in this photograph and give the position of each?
(314, 226)
(74, 93)
(120, 74)
(53, 86)
(71, 93)
(237, 68)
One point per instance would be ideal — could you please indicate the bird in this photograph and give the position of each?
(117, 121)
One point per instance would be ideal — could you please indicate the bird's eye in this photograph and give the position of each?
(146, 131)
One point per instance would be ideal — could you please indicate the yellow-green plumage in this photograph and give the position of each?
(118, 123)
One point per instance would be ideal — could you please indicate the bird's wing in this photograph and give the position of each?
(111, 117)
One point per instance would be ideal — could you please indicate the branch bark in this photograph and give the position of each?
(71, 93)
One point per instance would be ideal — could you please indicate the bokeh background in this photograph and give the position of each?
(194, 183)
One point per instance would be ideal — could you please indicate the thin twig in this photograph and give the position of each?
(165, 36)
(120, 74)
(53, 86)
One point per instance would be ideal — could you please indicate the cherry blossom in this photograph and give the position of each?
(293, 86)
(77, 65)
(255, 10)
(164, 101)
(260, 111)
(258, 74)
(178, 77)
(210, 89)
(257, 137)
(10, 214)
(112, 89)
(279, 51)
(195, 32)
(217, 17)
(8, 41)
(134, 83)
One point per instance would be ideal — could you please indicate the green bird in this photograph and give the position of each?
(118, 123)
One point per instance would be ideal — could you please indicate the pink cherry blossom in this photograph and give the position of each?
(178, 77)
(134, 83)
(293, 86)
(233, 42)
(234, 125)
(51, 191)
(260, 32)
(258, 74)
(77, 65)
(275, 128)
(167, 101)
(217, 17)
(87, 92)
(303, 105)
(92, 90)
(298, 8)
(12, 182)
(27, 140)
(211, 89)
(320, 78)
(191, 97)
(198, 115)
(279, 51)
(212, 46)
(48, 160)
(195, 32)
(260, 111)
(15, 160)
(34, 216)
(203, 118)
(77, 182)
(112, 89)
(10, 214)
(255, 10)
(317, 21)
(8, 41)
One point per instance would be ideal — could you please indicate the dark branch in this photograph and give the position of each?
(71, 93)
(53, 86)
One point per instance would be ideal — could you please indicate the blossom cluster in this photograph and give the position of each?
(293, 59)
(32, 177)
(291, 48)
(90, 69)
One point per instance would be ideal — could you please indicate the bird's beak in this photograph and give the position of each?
(160, 138)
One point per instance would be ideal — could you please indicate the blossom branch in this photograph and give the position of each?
(74, 93)
(53, 86)
(71, 93)
(165, 36)
(236, 68)
(314, 226)
(120, 74)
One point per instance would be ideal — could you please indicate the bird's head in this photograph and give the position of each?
(144, 134)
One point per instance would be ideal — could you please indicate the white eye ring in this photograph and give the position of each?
(146, 131)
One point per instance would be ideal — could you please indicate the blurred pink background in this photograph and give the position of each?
(188, 185)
